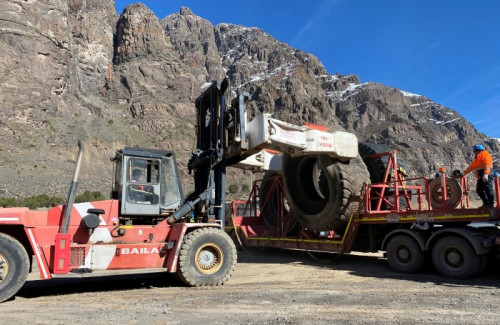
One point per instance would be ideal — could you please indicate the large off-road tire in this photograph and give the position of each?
(207, 257)
(270, 204)
(453, 257)
(319, 190)
(453, 193)
(404, 254)
(14, 266)
(377, 166)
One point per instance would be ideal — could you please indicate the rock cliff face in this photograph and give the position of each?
(77, 70)
(194, 42)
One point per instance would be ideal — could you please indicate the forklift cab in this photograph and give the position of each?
(146, 182)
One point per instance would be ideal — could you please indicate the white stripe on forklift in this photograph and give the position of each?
(99, 257)
(9, 219)
(38, 254)
(82, 209)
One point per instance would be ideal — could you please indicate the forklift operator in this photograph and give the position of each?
(140, 193)
(136, 175)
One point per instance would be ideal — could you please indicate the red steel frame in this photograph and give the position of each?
(244, 216)
(376, 194)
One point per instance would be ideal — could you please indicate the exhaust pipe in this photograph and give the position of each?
(72, 190)
(62, 246)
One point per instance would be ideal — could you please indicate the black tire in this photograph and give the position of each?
(453, 194)
(484, 261)
(404, 254)
(14, 266)
(453, 257)
(318, 189)
(377, 166)
(269, 205)
(207, 258)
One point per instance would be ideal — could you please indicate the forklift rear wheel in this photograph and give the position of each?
(453, 257)
(207, 257)
(14, 265)
(404, 254)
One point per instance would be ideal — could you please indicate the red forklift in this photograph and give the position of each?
(147, 225)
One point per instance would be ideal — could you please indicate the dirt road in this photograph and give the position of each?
(275, 287)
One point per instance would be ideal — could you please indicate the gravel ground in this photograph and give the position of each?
(271, 287)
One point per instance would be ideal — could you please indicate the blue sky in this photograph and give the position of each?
(447, 50)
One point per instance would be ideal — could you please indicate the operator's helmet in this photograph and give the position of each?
(136, 174)
(478, 147)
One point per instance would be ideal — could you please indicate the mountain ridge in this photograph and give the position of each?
(131, 79)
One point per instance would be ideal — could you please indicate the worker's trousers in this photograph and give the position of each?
(485, 191)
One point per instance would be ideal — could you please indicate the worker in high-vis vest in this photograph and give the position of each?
(482, 166)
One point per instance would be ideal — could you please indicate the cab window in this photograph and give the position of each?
(172, 194)
(142, 176)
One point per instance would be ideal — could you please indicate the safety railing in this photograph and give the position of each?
(397, 193)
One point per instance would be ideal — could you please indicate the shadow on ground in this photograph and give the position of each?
(373, 266)
(54, 287)
(367, 265)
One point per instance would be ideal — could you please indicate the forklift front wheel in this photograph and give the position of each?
(207, 257)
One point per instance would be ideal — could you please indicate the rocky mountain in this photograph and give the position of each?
(77, 69)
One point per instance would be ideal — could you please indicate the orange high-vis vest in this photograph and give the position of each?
(482, 161)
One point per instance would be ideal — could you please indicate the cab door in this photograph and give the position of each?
(141, 190)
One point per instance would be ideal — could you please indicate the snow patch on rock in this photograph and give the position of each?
(408, 94)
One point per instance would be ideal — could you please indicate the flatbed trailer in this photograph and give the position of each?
(394, 217)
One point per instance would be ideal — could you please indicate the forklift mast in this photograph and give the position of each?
(208, 162)
(226, 138)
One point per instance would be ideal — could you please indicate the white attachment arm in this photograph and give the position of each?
(264, 132)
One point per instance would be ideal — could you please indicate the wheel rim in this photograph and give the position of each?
(4, 267)
(438, 193)
(453, 193)
(453, 258)
(404, 254)
(209, 258)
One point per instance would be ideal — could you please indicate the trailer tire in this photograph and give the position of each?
(207, 258)
(14, 266)
(484, 261)
(404, 254)
(318, 189)
(455, 258)
(453, 193)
